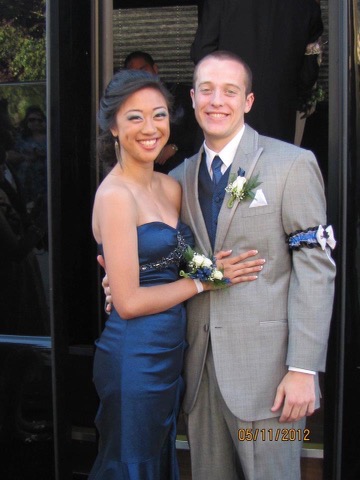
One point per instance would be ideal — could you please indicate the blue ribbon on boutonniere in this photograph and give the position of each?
(241, 172)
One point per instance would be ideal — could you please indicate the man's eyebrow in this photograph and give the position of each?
(232, 85)
(227, 85)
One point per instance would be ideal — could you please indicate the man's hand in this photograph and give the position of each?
(105, 285)
(236, 269)
(296, 392)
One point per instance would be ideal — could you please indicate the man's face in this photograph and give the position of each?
(220, 101)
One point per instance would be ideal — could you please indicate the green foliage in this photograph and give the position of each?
(22, 42)
(29, 61)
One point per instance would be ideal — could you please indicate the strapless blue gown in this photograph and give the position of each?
(137, 372)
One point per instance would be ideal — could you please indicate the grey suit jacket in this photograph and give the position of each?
(259, 328)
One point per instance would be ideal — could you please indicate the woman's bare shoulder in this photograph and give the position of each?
(114, 202)
(113, 190)
(168, 183)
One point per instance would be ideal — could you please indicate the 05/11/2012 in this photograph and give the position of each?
(274, 435)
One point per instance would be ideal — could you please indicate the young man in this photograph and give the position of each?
(255, 349)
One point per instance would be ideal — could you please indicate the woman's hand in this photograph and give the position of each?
(236, 269)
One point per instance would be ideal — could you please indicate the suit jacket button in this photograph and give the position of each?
(206, 327)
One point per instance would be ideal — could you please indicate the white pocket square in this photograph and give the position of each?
(259, 200)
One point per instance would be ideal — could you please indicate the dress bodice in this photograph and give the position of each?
(161, 248)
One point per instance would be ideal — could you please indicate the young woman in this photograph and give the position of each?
(139, 357)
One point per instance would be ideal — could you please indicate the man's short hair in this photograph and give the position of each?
(225, 55)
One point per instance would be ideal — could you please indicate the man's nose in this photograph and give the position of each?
(217, 98)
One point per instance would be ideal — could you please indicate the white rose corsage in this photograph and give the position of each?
(241, 189)
(203, 268)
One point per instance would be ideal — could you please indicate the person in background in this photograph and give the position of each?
(20, 236)
(31, 144)
(29, 162)
(183, 141)
(279, 40)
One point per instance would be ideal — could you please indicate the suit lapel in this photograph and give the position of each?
(246, 157)
(191, 201)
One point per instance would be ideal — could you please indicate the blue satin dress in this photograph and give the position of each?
(137, 372)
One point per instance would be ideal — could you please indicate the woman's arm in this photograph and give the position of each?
(115, 226)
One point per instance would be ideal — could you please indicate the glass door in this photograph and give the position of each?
(26, 427)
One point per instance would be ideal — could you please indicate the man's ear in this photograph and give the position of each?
(156, 69)
(192, 95)
(250, 98)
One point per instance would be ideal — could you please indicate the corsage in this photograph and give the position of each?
(200, 267)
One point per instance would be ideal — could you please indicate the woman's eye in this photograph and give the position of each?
(134, 117)
(161, 115)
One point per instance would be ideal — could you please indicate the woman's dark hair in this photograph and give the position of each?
(25, 131)
(123, 84)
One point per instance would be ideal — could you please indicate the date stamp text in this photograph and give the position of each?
(274, 434)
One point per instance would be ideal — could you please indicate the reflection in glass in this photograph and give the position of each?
(26, 433)
(24, 278)
(23, 222)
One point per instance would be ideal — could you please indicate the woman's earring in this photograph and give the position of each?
(117, 152)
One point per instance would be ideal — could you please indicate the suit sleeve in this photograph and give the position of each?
(207, 35)
(311, 289)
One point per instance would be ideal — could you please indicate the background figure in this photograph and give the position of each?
(30, 164)
(182, 141)
(272, 36)
(23, 308)
(22, 299)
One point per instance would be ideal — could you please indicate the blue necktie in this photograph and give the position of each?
(216, 169)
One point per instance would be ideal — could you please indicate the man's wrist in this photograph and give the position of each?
(301, 370)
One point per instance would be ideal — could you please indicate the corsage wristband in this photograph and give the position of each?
(199, 285)
(198, 267)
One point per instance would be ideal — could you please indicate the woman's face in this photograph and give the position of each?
(35, 122)
(142, 126)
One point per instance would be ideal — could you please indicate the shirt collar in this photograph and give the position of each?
(227, 154)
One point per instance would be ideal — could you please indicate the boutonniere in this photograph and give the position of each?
(240, 188)
(201, 267)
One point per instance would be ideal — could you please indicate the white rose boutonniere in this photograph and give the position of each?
(203, 268)
(240, 188)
